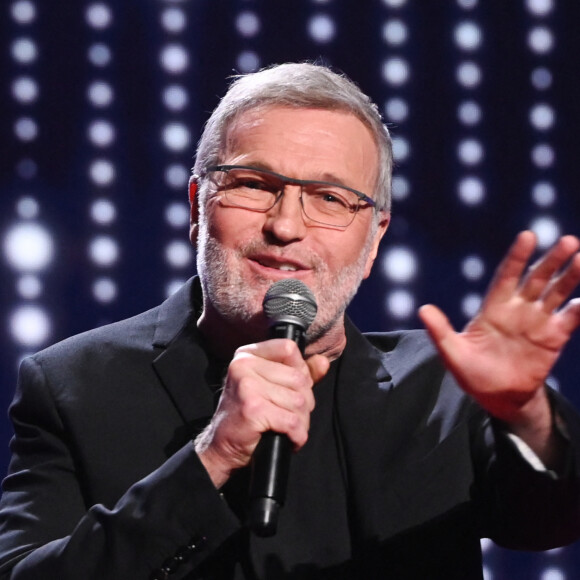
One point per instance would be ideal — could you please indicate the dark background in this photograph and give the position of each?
(430, 221)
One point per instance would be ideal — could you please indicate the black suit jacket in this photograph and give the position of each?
(104, 482)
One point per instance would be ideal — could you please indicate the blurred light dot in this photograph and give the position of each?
(400, 187)
(30, 326)
(104, 290)
(394, 3)
(401, 149)
(25, 90)
(468, 74)
(100, 94)
(540, 7)
(26, 129)
(395, 71)
(101, 133)
(100, 55)
(104, 251)
(102, 172)
(467, 4)
(248, 24)
(468, 36)
(24, 50)
(178, 254)
(400, 304)
(173, 20)
(248, 61)
(543, 194)
(541, 78)
(26, 168)
(547, 231)
(469, 113)
(29, 287)
(175, 97)
(541, 40)
(177, 215)
(28, 246)
(177, 176)
(471, 191)
(396, 109)
(24, 12)
(27, 208)
(542, 117)
(103, 212)
(395, 32)
(470, 305)
(174, 58)
(470, 152)
(99, 16)
(552, 574)
(399, 264)
(321, 28)
(543, 155)
(473, 268)
(553, 383)
(173, 286)
(176, 136)
(486, 545)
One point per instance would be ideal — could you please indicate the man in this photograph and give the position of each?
(132, 445)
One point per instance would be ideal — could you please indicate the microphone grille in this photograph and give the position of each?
(291, 301)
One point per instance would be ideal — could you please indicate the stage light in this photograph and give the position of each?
(99, 16)
(394, 3)
(101, 133)
(29, 287)
(399, 264)
(552, 574)
(395, 71)
(174, 20)
(27, 208)
(487, 573)
(401, 187)
(100, 94)
(542, 117)
(470, 304)
(543, 194)
(400, 304)
(540, 7)
(30, 326)
(175, 97)
(24, 51)
(467, 4)
(104, 290)
(173, 286)
(25, 90)
(104, 251)
(469, 113)
(471, 191)
(177, 215)
(176, 136)
(470, 151)
(396, 110)
(177, 176)
(103, 212)
(395, 32)
(23, 11)
(178, 254)
(28, 246)
(100, 55)
(401, 149)
(322, 28)
(248, 24)
(486, 545)
(174, 58)
(541, 40)
(468, 36)
(248, 61)
(469, 75)
(102, 172)
(543, 155)
(541, 78)
(26, 129)
(547, 231)
(473, 268)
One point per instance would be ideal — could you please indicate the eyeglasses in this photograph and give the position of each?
(260, 190)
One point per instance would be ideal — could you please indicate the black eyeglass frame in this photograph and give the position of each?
(291, 181)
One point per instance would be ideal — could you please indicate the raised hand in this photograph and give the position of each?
(504, 355)
(268, 388)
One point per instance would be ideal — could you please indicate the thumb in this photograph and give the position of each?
(437, 325)
(318, 366)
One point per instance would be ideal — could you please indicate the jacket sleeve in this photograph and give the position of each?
(174, 517)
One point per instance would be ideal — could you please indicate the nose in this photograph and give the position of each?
(285, 221)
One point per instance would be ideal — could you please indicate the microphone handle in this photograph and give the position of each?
(271, 460)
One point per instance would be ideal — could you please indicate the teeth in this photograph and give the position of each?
(288, 268)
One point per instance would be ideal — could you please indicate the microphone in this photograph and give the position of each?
(290, 307)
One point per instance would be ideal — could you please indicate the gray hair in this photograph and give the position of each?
(299, 85)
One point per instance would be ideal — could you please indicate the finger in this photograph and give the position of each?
(318, 366)
(509, 272)
(280, 350)
(541, 273)
(561, 287)
(570, 316)
(437, 325)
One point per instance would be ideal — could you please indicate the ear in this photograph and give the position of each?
(385, 219)
(194, 209)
